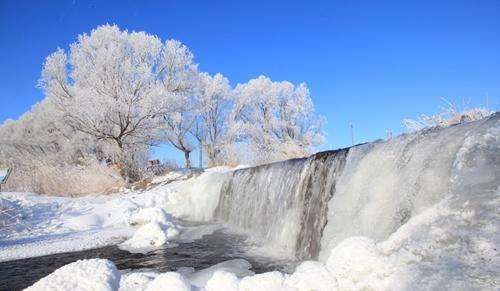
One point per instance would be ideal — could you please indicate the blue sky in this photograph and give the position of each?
(371, 63)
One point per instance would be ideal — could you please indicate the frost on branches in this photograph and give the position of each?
(276, 119)
(114, 94)
(213, 105)
(449, 115)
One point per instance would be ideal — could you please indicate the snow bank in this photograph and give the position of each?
(47, 225)
(95, 274)
(35, 225)
(136, 280)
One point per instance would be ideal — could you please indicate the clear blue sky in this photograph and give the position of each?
(371, 63)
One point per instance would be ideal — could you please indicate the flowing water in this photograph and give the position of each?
(201, 253)
(284, 203)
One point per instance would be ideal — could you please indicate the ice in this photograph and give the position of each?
(384, 184)
(238, 267)
(222, 280)
(150, 214)
(197, 198)
(136, 281)
(264, 281)
(94, 274)
(148, 237)
(311, 275)
(170, 281)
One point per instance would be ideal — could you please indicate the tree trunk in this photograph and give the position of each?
(188, 162)
(119, 143)
(211, 155)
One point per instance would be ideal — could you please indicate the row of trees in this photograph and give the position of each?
(114, 94)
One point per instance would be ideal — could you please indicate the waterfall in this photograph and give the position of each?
(386, 183)
(284, 202)
(308, 206)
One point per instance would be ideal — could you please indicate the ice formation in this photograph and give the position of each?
(94, 274)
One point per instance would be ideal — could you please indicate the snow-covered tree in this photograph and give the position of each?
(50, 157)
(116, 93)
(114, 85)
(179, 77)
(214, 103)
(123, 87)
(177, 128)
(275, 119)
(449, 115)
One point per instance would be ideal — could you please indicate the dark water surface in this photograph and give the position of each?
(202, 253)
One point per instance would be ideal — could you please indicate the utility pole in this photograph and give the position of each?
(389, 133)
(352, 132)
(201, 154)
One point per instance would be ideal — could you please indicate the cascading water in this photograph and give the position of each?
(308, 206)
(318, 188)
(283, 202)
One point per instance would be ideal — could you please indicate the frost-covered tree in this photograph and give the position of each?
(115, 85)
(125, 88)
(449, 115)
(213, 106)
(177, 128)
(179, 84)
(50, 157)
(276, 119)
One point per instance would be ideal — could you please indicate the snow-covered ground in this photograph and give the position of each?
(36, 225)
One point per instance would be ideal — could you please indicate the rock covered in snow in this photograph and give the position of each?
(222, 280)
(264, 281)
(170, 281)
(150, 214)
(149, 236)
(94, 274)
(239, 267)
(136, 280)
(156, 228)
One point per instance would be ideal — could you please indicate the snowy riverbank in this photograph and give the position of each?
(37, 225)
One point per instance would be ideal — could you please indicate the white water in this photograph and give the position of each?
(265, 201)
